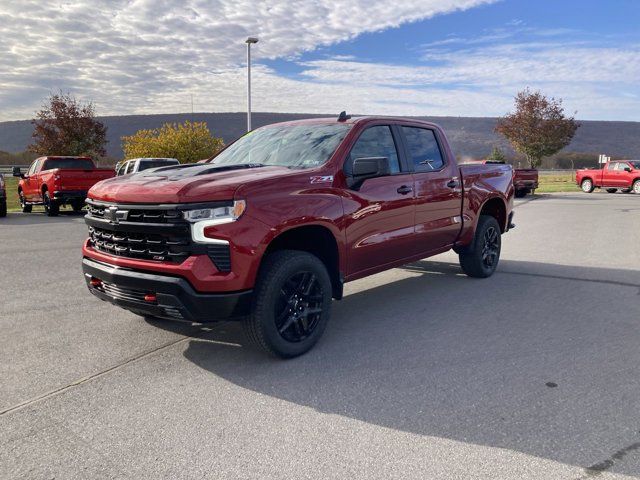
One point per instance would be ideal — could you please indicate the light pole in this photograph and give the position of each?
(249, 41)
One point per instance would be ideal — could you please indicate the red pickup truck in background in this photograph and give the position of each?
(55, 181)
(615, 175)
(525, 180)
(271, 228)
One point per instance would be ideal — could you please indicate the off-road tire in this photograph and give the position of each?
(275, 274)
(77, 206)
(636, 187)
(474, 258)
(51, 208)
(3, 208)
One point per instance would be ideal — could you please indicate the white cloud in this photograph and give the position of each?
(150, 56)
(127, 54)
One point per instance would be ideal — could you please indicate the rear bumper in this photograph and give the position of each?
(174, 298)
(530, 184)
(69, 195)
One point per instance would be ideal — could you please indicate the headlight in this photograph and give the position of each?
(218, 215)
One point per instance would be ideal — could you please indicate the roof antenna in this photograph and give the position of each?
(343, 117)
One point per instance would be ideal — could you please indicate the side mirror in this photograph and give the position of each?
(17, 172)
(627, 169)
(368, 167)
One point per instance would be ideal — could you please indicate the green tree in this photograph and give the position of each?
(496, 155)
(188, 142)
(538, 127)
(65, 126)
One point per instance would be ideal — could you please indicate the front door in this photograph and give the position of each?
(30, 183)
(380, 212)
(438, 190)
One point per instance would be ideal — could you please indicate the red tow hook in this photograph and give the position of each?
(151, 298)
(95, 282)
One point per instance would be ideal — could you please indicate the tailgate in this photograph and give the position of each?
(81, 179)
(526, 174)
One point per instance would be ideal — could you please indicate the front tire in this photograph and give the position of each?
(3, 208)
(587, 186)
(636, 187)
(77, 206)
(292, 304)
(51, 208)
(480, 259)
(612, 190)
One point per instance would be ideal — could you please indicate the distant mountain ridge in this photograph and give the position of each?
(469, 136)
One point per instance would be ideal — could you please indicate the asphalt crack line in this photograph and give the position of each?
(89, 378)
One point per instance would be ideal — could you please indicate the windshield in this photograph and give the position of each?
(146, 164)
(80, 163)
(293, 146)
(635, 164)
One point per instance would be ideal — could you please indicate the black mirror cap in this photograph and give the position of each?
(628, 169)
(370, 167)
(17, 172)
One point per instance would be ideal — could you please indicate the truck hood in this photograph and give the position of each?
(183, 183)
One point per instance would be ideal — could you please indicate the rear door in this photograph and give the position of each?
(380, 212)
(438, 189)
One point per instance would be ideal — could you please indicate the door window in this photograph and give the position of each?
(374, 142)
(612, 165)
(423, 148)
(33, 167)
(622, 166)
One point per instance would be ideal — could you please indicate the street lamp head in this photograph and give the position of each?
(251, 40)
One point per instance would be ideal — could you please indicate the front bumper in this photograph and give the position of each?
(161, 296)
(69, 195)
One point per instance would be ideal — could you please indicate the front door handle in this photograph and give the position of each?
(453, 183)
(403, 190)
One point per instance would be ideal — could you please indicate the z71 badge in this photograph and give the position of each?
(322, 179)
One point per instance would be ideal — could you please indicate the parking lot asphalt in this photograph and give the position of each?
(423, 372)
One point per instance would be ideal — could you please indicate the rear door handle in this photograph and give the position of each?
(453, 183)
(403, 190)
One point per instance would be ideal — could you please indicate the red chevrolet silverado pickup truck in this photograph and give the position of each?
(271, 228)
(616, 174)
(55, 181)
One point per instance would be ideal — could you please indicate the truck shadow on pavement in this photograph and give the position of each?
(530, 360)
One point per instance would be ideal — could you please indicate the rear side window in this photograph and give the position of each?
(375, 142)
(612, 165)
(424, 150)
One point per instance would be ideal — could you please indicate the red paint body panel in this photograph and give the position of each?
(525, 178)
(612, 175)
(374, 227)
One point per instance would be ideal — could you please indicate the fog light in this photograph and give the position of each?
(95, 282)
(151, 298)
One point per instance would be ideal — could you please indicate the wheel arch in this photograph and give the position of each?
(497, 208)
(317, 240)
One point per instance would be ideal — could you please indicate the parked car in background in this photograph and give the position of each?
(273, 226)
(136, 165)
(3, 197)
(525, 180)
(54, 181)
(615, 175)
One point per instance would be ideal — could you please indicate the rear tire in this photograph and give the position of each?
(480, 259)
(23, 203)
(587, 186)
(521, 193)
(291, 305)
(612, 190)
(51, 208)
(3, 208)
(77, 206)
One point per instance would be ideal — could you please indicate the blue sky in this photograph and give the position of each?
(416, 57)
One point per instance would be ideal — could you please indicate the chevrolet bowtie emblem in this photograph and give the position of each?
(113, 215)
